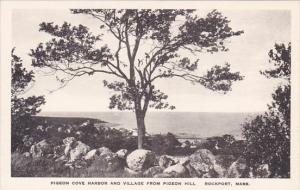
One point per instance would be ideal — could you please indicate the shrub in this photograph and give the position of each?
(268, 135)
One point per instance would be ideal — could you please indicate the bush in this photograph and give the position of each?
(163, 144)
(32, 167)
(268, 135)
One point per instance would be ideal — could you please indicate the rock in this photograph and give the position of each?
(67, 149)
(40, 149)
(131, 173)
(203, 162)
(140, 160)
(26, 154)
(184, 161)
(59, 129)
(49, 129)
(150, 172)
(165, 161)
(237, 169)
(177, 170)
(69, 140)
(79, 150)
(91, 154)
(104, 150)
(40, 128)
(68, 130)
(220, 171)
(79, 133)
(122, 153)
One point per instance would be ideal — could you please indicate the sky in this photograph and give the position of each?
(248, 54)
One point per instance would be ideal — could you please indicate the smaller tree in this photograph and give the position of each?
(21, 108)
(268, 135)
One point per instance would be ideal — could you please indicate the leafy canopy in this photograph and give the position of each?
(147, 46)
(21, 108)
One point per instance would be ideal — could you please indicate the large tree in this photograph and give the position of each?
(268, 135)
(22, 108)
(146, 45)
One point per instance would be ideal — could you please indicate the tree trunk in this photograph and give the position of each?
(140, 119)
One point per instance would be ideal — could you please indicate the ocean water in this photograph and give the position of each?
(194, 124)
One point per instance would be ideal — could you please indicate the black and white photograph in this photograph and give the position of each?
(151, 92)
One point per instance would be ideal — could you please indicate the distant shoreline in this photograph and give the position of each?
(184, 125)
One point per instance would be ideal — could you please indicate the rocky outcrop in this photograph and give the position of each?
(165, 161)
(122, 153)
(91, 154)
(104, 150)
(40, 149)
(204, 164)
(177, 170)
(140, 160)
(80, 150)
(237, 169)
(26, 154)
(69, 140)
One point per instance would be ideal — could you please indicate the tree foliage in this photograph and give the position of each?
(146, 46)
(268, 135)
(21, 108)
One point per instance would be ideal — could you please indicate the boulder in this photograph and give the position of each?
(40, 128)
(91, 154)
(67, 149)
(69, 141)
(40, 149)
(140, 160)
(184, 161)
(59, 129)
(122, 153)
(80, 150)
(50, 129)
(177, 170)
(104, 150)
(26, 154)
(237, 169)
(150, 172)
(165, 161)
(203, 162)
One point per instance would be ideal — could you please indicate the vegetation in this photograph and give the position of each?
(21, 108)
(268, 135)
(147, 46)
